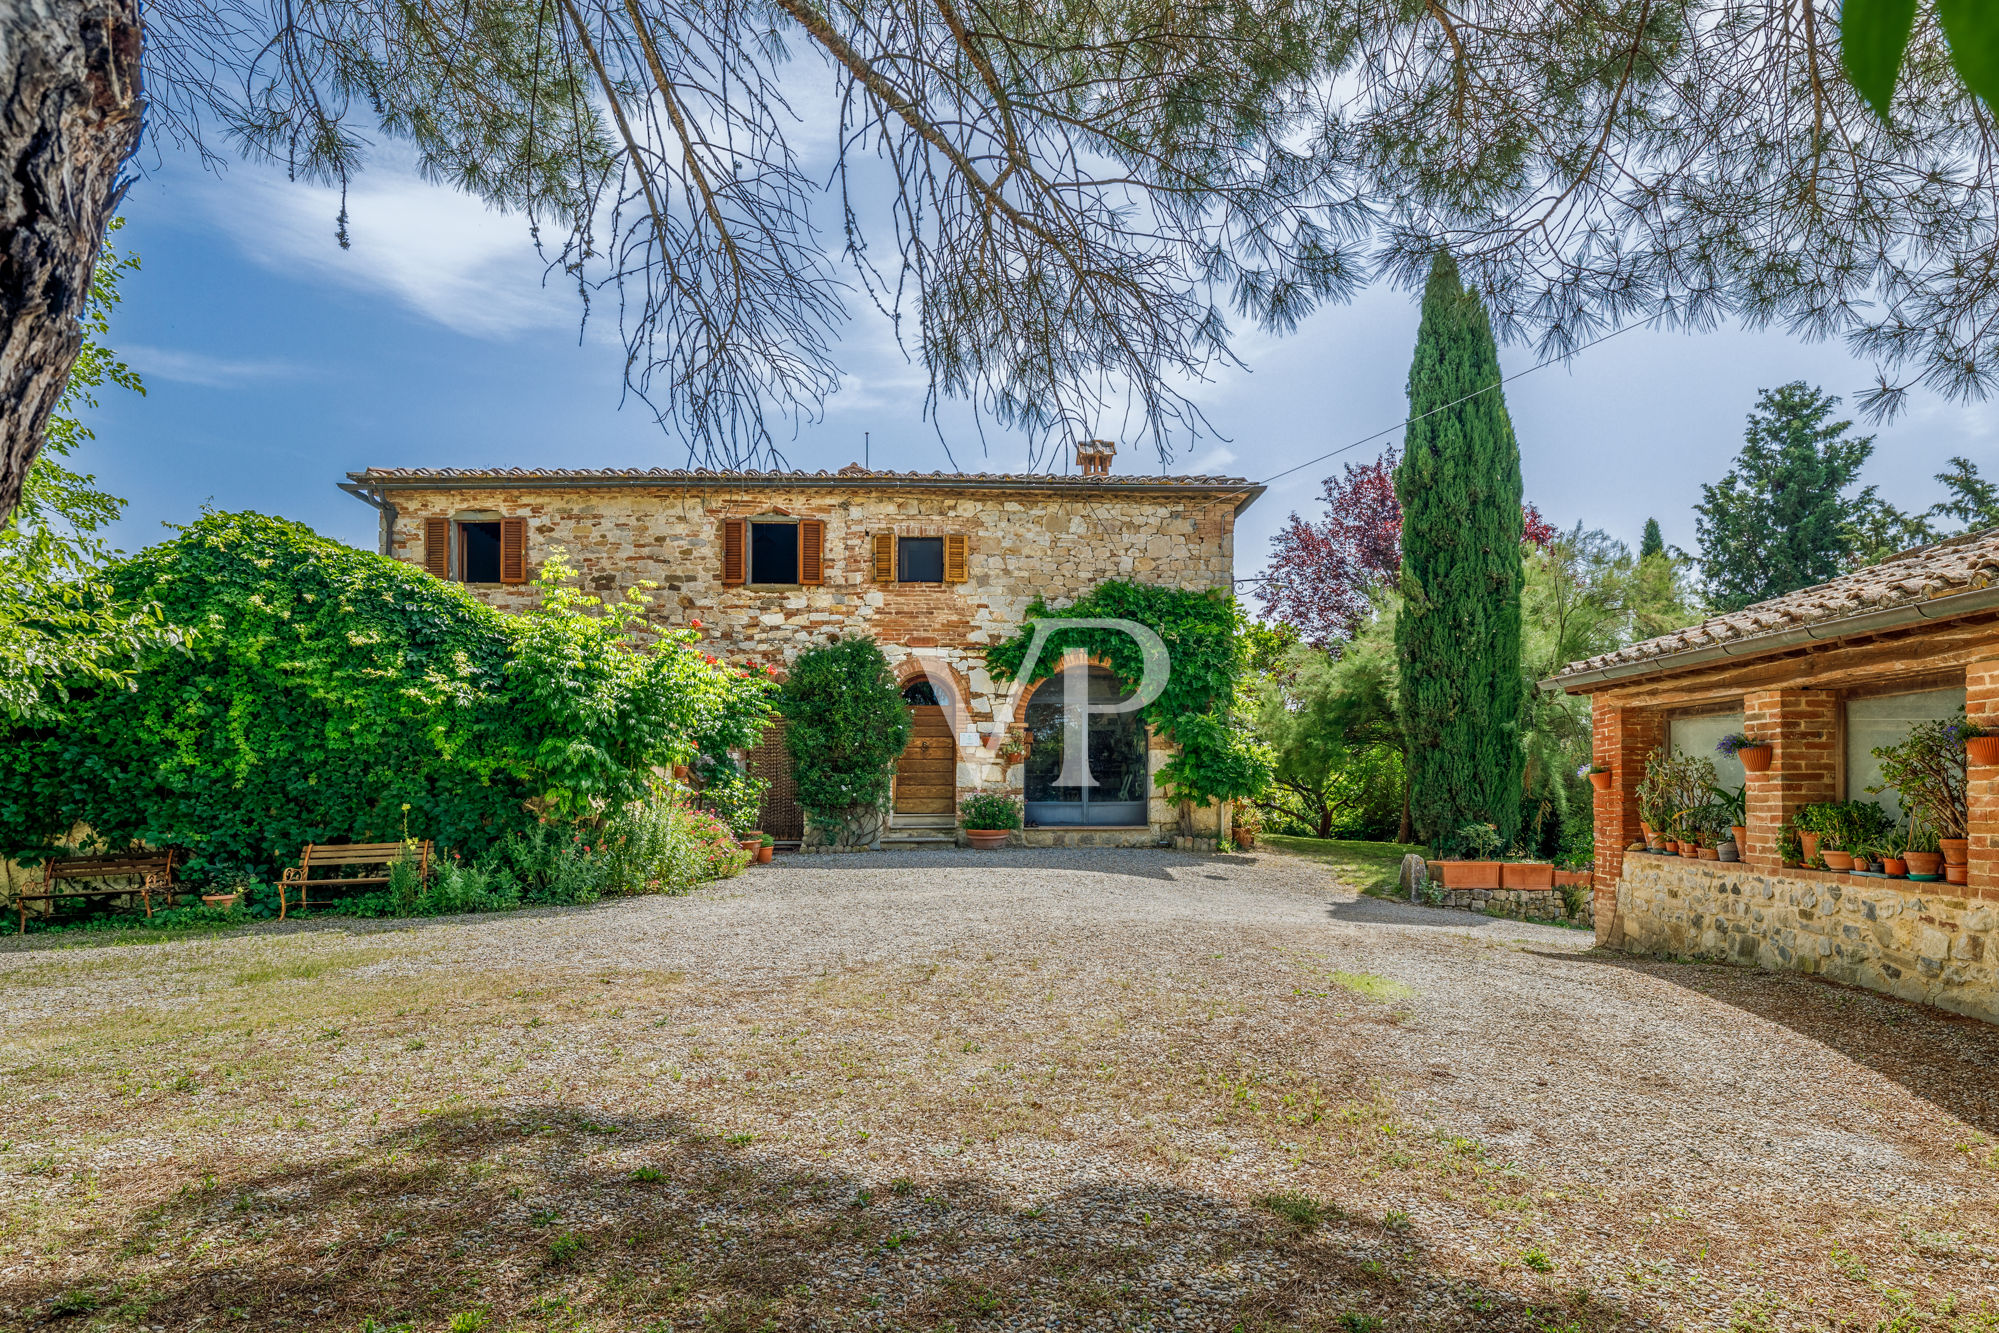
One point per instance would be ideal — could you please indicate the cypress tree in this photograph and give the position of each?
(1653, 542)
(1458, 637)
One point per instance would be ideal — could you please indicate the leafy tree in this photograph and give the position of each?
(326, 692)
(1779, 520)
(59, 622)
(846, 726)
(1973, 501)
(1323, 575)
(1458, 637)
(1653, 542)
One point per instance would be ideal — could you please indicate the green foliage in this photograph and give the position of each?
(56, 616)
(1926, 769)
(1874, 35)
(325, 688)
(1459, 635)
(734, 796)
(989, 810)
(1334, 737)
(1780, 520)
(846, 725)
(1653, 542)
(1204, 634)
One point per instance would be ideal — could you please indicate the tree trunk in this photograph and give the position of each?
(69, 118)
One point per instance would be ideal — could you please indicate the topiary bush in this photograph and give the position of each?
(326, 692)
(846, 727)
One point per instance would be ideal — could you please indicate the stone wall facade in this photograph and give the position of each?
(1026, 537)
(1923, 942)
(1517, 904)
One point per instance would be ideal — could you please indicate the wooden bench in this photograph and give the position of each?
(153, 870)
(338, 857)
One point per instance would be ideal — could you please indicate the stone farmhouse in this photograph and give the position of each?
(1827, 674)
(936, 566)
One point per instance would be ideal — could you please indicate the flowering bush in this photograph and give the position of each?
(1736, 741)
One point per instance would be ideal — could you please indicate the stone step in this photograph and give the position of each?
(916, 821)
(928, 841)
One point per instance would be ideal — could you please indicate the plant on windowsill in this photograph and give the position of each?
(1924, 856)
(988, 817)
(1894, 850)
(1730, 808)
(1755, 754)
(1927, 772)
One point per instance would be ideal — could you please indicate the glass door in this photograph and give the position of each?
(1117, 760)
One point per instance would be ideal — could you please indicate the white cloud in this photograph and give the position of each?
(442, 254)
(209, 372)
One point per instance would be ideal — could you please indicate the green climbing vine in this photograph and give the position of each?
(1219, 757)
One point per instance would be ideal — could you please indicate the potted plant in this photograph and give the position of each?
(1526, 874)
(1601, 776)
(1475, 868)
(1754, 754)
(987, 818)
(1925, 861)
(1730, 808)
(1812, 824)
(1245, 823)
(1981, 744)
(1927, 771)
(766, 849)
(1894, 849)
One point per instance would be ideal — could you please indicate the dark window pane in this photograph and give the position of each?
(1115, 750)
(773, 553)
(481, 551)
(921, 693)
(921, 559)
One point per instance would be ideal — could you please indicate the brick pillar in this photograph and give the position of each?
(1803, 768)
(1981, 705)
(1621, 740)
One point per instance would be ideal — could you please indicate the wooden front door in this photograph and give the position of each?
(926, 777)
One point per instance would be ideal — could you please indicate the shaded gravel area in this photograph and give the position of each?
(1027, 1089)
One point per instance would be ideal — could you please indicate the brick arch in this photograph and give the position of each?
(909, 668)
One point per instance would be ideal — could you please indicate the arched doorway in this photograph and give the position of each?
(1117, 757)
(926, 777)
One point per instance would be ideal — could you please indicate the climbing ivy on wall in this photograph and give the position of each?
(1219, 758)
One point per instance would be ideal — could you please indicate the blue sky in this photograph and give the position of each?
(276, 362)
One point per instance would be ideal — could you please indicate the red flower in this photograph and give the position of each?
(694, 624)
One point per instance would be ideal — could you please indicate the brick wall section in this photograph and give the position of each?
(1622, 739)
(1981, 705)
(1804, 766)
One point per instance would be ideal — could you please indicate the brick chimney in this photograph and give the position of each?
(1093, 457)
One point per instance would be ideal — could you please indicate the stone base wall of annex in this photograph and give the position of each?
(1926, 942)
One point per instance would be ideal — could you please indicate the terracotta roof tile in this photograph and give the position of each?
(1958, 564)
(850, 473)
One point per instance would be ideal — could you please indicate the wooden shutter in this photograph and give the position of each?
(734, 551)
(954, 560)
(437, 546)
(811, 550)
(513, 550)
(884, 557)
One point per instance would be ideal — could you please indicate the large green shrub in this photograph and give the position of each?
(846, 725)
(323, 689)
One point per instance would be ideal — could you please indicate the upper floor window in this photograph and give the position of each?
(776, 551)
(921, 559)
(476, 548)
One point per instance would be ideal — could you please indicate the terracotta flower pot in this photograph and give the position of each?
(1602, 781)
(1837, 860)
(1690, 850)
(1755, 758)
(1924, 863)
(1894, 867)
(221, 902)
(1243, 838)
(1470, 874)
(1810, 843)
(1957, 873)
(1982, 751)
(764, 855)
(1708, 853)
(1954, 852)
(1527, 875)
(1740, 832)
(986, 839)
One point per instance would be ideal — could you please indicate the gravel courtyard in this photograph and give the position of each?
(1023, 1090)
